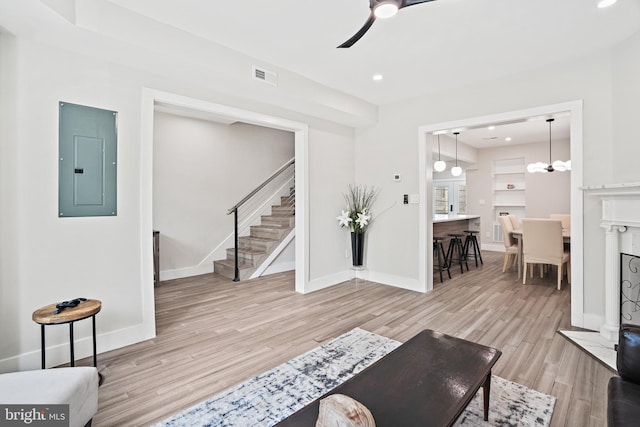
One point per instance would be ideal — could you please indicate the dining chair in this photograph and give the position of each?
(515, 222)
(542, 244)
(510, 244)
(565, 218)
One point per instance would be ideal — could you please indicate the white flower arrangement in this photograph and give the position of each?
(359, 200)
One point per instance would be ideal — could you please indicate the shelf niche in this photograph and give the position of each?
(509, 190)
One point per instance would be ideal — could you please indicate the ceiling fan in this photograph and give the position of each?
(380, 9)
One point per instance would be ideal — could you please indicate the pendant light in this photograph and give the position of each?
(439, 165)
(558, 165)
(456, 170)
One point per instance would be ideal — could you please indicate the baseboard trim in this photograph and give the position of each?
(279, 268)
(330, 280)
(179, 273)
(401, 282)
(58, 354)
(592, 321)
(364, 274)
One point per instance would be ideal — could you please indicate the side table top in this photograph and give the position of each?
(81, 311)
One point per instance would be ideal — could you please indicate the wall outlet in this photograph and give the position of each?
(397, 177)
(414, 198)
(481, 202)
(487, 234)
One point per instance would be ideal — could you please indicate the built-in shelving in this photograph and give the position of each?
(508, 187)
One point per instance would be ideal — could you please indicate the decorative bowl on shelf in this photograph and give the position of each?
(510, 186)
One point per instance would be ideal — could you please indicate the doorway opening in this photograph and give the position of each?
(204, 170)
(427, 140)
(150, 98)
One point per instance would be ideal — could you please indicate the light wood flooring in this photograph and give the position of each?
(213, 333)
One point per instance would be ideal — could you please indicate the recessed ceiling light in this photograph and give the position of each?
(491, 127)
(606, 3)
(377, 77)
(440, 132)
(508, 139)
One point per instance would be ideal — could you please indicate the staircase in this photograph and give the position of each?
(262, 240)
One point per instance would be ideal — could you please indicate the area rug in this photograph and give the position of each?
(274, 395)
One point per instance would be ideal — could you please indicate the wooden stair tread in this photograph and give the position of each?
(231, 264)
(258, 239)
(270, 226)
(251, 251)
(262, 241)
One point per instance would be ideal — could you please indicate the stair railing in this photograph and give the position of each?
(234, 211)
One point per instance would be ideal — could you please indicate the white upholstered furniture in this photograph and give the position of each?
(515, 222)
(565, 218)
(76, 386)
(543, 244)
(510, 244)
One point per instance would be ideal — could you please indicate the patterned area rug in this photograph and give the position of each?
(276, 394)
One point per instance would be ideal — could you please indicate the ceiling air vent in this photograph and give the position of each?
(265, 76)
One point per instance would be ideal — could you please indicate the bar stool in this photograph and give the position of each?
(438, 248)
(456, 251)
(471, 242)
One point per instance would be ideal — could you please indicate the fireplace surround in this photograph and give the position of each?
(620, 221)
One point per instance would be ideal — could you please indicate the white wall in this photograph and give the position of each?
(393, 145)
(332, 169)
(624, 141)
(50, 259)
(545, 193)
(10, 298)
(201, 169)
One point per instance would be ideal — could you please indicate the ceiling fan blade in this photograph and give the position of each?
(357, 36)
(406, 3)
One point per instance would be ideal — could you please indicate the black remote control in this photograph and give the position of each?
(66, 304)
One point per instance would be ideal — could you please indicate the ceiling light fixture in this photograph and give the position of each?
(386, 9)
(508, 139)
(439, 165)
(377, 77)
(558, 165)
(456, 170)
(606, 3)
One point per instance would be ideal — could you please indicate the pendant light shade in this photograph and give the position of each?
(439, 165)
(456, 170)
(558, 165)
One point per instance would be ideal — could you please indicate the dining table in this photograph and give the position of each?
(517, 234)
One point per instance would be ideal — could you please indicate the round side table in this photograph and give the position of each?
(45, 316)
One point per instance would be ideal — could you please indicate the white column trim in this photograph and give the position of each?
(609, 329)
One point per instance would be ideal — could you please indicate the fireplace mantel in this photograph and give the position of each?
(620, 212)
(621, 226)
(613, 190)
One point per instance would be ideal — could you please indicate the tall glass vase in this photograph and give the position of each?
(357, 248)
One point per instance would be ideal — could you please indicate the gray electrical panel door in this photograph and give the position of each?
(87, 161)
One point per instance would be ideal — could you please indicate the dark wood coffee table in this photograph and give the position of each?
(427, 381)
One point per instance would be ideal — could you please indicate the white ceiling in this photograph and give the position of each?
(424, 48)
(525, 131)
